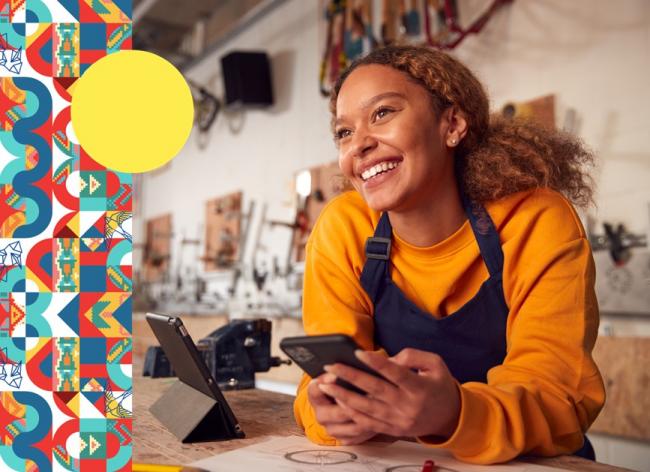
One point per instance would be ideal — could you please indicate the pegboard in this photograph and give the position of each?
(625, 366)
(223, 217)
(326, 182)
(157, 250)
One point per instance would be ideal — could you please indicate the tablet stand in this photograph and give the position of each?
(193, 416)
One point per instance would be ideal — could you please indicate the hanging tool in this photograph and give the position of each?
(334, 59)
(458, 33)
(206, 106)
(410, 18)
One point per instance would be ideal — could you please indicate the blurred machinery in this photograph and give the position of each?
(622, 259)
(618, 241)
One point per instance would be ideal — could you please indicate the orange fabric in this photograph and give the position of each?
(548, 390)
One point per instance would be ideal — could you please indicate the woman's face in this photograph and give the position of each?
(391, 144)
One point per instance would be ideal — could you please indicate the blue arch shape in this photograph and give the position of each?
(23, 180)
(23, 442)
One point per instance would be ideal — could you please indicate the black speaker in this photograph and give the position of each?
(247, 79)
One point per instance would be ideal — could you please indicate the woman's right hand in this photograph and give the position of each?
(334, 417)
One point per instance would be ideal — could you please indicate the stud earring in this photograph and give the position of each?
(453, 141)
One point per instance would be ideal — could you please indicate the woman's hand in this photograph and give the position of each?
(332, 416)
(422, 403)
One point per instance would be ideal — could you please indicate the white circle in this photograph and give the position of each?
(69, 132)
(73, 183)
(73, 444)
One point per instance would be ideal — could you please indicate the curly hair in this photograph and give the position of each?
(498, 156)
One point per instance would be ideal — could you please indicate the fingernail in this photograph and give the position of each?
(325, 388)
(327, 368)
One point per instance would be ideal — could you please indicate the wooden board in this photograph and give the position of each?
(326, 182)
(222, 231)
(541, 110)
(625, 366)
(157, 250)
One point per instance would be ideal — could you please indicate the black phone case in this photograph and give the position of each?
(312, 353)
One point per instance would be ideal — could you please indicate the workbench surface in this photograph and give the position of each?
(261, 414)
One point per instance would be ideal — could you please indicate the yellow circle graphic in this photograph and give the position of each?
(132, 111)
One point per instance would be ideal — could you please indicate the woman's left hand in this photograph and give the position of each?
(422, 403)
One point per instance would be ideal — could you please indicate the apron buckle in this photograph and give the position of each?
(378, 248)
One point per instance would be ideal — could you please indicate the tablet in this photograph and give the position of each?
(188, 363)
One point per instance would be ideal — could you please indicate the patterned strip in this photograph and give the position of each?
(67, 50)
(118, 37)
(120, 282)
(118, 351)
(121, 431)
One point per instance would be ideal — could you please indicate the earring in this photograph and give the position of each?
(453, 141)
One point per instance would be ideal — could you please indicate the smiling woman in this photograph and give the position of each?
(400, 128)
(481, 309)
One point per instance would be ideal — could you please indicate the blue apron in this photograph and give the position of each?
(473, 339)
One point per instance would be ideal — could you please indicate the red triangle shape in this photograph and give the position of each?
(66, 396)
(62, 86)
(66, 232)
(87, 14)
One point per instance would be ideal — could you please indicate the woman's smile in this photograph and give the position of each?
(378, 174)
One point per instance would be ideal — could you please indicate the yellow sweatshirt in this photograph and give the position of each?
(548, 390)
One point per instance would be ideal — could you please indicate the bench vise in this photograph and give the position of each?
(233, 353)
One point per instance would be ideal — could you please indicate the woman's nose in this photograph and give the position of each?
(364, 143)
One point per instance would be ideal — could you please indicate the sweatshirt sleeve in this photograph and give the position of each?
(333, 302)
(548, 390)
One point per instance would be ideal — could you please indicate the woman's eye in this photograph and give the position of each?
(341, 133)
(382, 112)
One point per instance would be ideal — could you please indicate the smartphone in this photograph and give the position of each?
(312, 353)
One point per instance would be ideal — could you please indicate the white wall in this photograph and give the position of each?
(593, 54)
(271, 146)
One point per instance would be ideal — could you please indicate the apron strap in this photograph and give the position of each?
(376, 268)
(378, 247)
(486, 236)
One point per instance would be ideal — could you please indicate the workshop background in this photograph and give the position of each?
(219, 232)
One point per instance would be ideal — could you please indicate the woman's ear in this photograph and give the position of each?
(456, 126)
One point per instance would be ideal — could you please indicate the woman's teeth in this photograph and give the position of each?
(378, 169)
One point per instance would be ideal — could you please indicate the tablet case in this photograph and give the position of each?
(192, 416)
(193, 409)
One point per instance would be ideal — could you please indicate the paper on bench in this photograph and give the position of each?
(298, 454)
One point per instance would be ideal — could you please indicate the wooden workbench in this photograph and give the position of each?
(261, 414)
